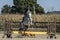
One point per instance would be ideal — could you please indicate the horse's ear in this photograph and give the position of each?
(30, 9)
(26, 10)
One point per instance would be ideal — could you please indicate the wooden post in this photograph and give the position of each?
(52, 29)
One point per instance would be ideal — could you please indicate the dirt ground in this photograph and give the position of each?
(37, 37)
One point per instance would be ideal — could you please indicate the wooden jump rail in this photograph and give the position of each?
(49, 25)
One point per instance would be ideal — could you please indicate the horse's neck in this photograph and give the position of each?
(26, 16)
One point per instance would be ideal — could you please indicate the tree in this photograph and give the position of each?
(6, 9)
(21, 5)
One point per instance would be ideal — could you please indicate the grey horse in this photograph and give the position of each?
(27, 20)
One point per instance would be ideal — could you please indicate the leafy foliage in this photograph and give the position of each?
(6, 9)
(21, 5)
